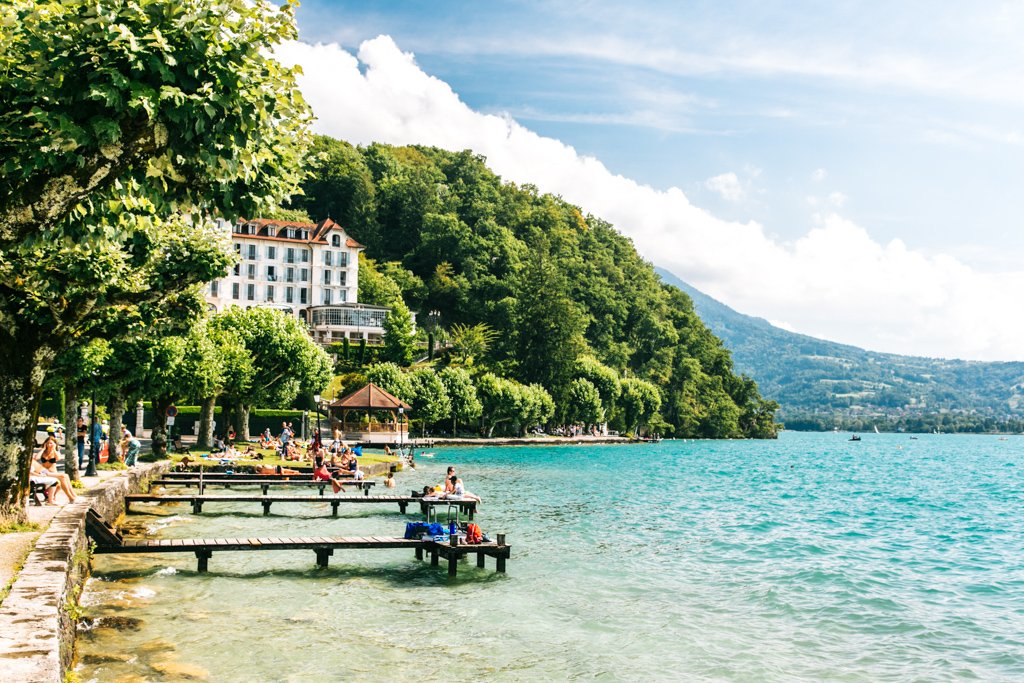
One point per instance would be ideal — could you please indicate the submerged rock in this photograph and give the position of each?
(118, 623)
(180, 669)
(158, 645)
(106, 657)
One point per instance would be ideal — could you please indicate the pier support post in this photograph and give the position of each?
(433, 557)
(334, 507)
(480, 560)
(471, 510)
(266, 507)
(321, 556)
(322, 487)
(453, 564)
(266, 488)
(204, 557)
(419, 553)
(197, 506)
(402, 505)
(499, 564)
(202, 487)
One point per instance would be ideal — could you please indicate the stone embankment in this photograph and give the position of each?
(37, 626)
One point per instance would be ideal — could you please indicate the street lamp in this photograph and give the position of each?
(90, 471)
(401, 422)
(316, 399)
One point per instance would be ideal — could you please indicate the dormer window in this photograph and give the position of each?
(336, 240)
(289, 233)
(236, 228)
(271, 231)
(250, 229)
(303, 234)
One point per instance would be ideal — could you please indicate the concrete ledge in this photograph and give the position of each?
(37, 634)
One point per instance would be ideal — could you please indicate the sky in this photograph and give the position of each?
(846, 170)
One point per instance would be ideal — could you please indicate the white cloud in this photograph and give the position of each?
(837, 199)
(727, 185)
(836, 281)
(819, 175)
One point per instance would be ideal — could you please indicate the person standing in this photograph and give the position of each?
(81, 432)
(130, 447)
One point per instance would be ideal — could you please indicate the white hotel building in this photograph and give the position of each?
(309, 270)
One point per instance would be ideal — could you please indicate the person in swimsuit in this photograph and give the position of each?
(48, 459)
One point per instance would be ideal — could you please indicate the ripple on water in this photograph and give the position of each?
(803, 559)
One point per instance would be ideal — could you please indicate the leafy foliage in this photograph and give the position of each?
(527, 286)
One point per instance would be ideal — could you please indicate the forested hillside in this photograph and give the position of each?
(557, 290)
(821, 384)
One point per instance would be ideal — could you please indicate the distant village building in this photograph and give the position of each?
(309, 270)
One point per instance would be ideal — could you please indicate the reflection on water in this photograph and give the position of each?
(808, 558)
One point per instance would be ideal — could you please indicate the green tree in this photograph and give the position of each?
(584, 403)
(640, 400)
(502, 400)
(603, 378)
(392, 379)
(470, 342)
(399, 338)
(375, 288)
(430, 401)
(285, 361)
(465, 405)
(163, 122)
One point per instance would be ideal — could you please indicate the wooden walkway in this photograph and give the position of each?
(264, 484)
(465, 506)
(323, 546)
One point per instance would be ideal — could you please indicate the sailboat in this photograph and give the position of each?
(876, 429)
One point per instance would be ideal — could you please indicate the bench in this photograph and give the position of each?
(37, 488)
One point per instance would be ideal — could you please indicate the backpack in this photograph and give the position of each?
(473, 534)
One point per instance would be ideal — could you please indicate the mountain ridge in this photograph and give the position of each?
(822, 384)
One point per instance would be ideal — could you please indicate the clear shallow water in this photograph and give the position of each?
(809, 558)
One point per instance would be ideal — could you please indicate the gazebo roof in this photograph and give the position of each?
(370, 397)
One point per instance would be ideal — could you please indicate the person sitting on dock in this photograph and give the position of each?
(270, 469)
(448, 485)
(337, 482)
(460, 492)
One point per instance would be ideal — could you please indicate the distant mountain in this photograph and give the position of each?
(822, 384)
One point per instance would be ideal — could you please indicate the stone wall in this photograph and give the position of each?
(37, 633)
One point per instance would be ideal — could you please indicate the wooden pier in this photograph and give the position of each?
(264, 484)
(197, 501)
(324, 548)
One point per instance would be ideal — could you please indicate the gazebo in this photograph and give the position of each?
(369, 400)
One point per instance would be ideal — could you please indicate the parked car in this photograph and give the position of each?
(48, 428)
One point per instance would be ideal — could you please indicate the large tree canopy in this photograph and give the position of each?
(118, 120)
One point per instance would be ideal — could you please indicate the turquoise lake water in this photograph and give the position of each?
(807, 558)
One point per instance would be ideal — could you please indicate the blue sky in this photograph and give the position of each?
(903, 119)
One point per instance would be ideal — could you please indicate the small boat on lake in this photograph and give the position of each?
(854, 438)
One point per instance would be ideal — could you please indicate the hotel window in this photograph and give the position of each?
(304, 254)
(271, 232)
(327, 258)
(270, 292)
(327, 277)
(303, 234)
(234, 290)
(289, 256)
(289, 294)
(327, 296)
(250, 292)
(303, 298)
(343, 296)
(343, 259)
(238, 249)
(341, 277)
(336, 240)
(272, 253)
(250, 229)
(214, 288)
(271, 273)
(250, 271)
(289, 275)
(252, 252)
(236, 228)
(238, 268)
(290, 233)
(303, 275)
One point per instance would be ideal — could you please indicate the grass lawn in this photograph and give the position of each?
(270, 457)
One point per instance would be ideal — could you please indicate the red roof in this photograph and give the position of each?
(371, 397)
(317, 231)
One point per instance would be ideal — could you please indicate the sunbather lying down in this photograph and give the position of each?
(270, 469)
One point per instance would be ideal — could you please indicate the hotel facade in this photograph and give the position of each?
(308, 270)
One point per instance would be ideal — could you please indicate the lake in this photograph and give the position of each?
(806, 558)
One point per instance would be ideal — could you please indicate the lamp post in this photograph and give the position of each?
(316, 399)
(90, 471)
(305, 423)
(401, 422)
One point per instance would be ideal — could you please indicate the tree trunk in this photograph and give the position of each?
(116, 409)
(242, 418)
(71, 431)
(205, 437)
(23, 367)
(159, 433)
